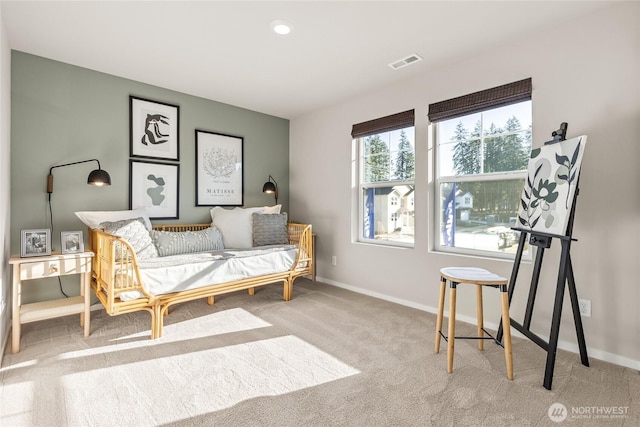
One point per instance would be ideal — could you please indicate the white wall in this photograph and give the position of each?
(5, 193)
(586, 73)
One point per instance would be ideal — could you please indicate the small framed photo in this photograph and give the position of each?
(71, 242)
(154, 128)
(35, 242)
(219, 169)
(155, 187)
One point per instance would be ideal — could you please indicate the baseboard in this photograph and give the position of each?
(563, 345)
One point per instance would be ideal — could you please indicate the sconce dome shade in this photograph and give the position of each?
(269, 187)
(99, 178)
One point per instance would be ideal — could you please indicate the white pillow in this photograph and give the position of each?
(236, 226)
(93, 219)
(272, 209)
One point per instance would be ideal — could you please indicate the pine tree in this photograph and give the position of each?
(377, 161)
(467, 156)
(528, 139)
(466, 152)
(498, 153)
(515, 150)
(405, 161)
(493, 152)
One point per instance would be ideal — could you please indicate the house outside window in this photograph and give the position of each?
(386, 170)
(481, 164)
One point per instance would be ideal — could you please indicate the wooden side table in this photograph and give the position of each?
(50, 266)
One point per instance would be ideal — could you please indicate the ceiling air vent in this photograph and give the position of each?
(396, 65)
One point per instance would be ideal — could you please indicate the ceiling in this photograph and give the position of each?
(226, 51)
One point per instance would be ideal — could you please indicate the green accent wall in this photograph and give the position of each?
(62, 113)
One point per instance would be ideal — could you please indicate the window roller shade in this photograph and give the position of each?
(384, 124)
(479, 101)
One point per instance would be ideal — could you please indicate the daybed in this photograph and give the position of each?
(124, 283)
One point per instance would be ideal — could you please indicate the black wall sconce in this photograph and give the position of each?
(98, 177)
(271, 187)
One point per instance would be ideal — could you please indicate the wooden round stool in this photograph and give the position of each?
(479, 277)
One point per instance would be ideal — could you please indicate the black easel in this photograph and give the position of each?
(565, 275)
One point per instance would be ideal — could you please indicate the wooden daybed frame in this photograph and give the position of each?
(115, 271)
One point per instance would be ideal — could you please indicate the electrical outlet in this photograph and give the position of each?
(585, 307)
(334, 260)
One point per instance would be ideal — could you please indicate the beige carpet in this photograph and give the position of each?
(329, 357)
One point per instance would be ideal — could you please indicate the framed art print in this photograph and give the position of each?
(154, 128)
(35, 242)
(219, 172)
(154, 187)
(71, 242)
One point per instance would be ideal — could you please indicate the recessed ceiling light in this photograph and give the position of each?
(281, 27)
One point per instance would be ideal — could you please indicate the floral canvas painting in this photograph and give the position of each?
(549, 190)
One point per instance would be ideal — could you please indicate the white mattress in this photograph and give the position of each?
(169, 274)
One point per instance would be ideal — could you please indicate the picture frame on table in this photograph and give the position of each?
(71, 242)
(154, 187)
(35, 242)
(219, 169)
(154, 129)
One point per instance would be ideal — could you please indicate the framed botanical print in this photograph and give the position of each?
(154, 187)
(35, 242)
(154, 129)
(219, 171)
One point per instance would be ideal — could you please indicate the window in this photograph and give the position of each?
(483, 149)
(386, 171)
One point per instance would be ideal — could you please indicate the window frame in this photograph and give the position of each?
(439, 247)
(360, 187)
(478, 177)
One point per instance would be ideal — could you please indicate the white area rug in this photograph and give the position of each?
(143, 382)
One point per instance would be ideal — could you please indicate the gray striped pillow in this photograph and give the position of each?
(187, 242)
